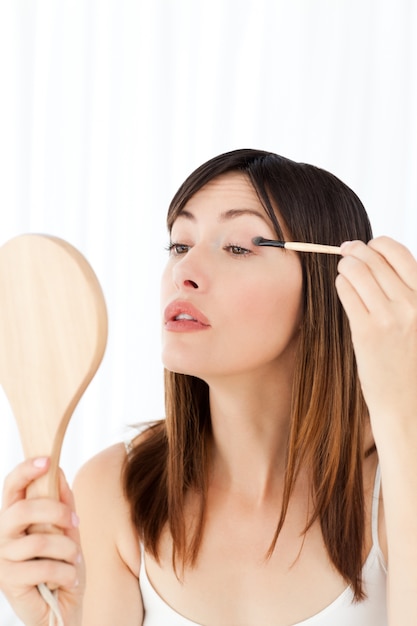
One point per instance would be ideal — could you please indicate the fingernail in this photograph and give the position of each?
(345, 245)
(75, 520)
(40, 462)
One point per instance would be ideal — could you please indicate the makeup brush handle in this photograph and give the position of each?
(300, 246)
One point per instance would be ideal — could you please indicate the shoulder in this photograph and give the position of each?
(106, 467)
(104, 512)
(99, 481)
(109, 540)
(99, 496)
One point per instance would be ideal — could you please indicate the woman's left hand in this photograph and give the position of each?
(377, 285)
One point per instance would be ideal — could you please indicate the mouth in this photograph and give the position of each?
(182, 315)
(185, 316)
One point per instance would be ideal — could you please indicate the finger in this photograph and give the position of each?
(389, 263)
(42, 546)
(399, 258)
(352, 302)
(19, 479)
(36, 512)
(57, 574)
(362, 280)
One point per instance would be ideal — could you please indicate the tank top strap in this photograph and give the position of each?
(128, 443)
(129, 438)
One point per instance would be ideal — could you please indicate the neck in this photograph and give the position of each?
(250, 423)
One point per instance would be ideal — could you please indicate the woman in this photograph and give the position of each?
(258, 500)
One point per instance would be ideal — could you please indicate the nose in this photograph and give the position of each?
(190, 283)
(189, 273)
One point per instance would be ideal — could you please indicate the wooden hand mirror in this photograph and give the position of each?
(53, 333)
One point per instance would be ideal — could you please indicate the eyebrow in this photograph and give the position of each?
(227, 215)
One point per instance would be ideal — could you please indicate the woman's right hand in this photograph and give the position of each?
(27, 560)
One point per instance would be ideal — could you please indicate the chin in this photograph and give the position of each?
(174, 363)
(183, 359)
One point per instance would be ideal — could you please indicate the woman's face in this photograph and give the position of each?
(229, 307)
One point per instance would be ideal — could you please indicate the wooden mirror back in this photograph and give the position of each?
(53, 333)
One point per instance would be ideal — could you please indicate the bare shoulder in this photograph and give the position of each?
(105, 466)
(102, 507)
(109, 540)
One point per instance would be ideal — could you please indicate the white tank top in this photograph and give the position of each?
(342, 612)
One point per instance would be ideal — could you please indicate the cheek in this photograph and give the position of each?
(280, 309)
(278, 298)
(268, 314)
(165, 287)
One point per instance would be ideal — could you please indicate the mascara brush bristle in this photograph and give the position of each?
(261, 241)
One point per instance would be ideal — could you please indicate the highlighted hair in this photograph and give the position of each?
(329, 414)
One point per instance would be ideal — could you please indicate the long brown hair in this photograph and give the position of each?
(328, 410)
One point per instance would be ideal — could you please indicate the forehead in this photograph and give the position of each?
(224, 199)
(233, 190)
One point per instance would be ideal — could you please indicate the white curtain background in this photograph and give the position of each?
(107, 105)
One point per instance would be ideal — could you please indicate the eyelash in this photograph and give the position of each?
(242, 251)
(173, 249)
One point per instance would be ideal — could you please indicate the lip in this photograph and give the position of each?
(198, 322)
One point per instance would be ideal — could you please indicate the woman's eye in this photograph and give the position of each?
(178, 248)
(237, 250)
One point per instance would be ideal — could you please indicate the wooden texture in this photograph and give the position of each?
(53, 333)
(300, 246)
